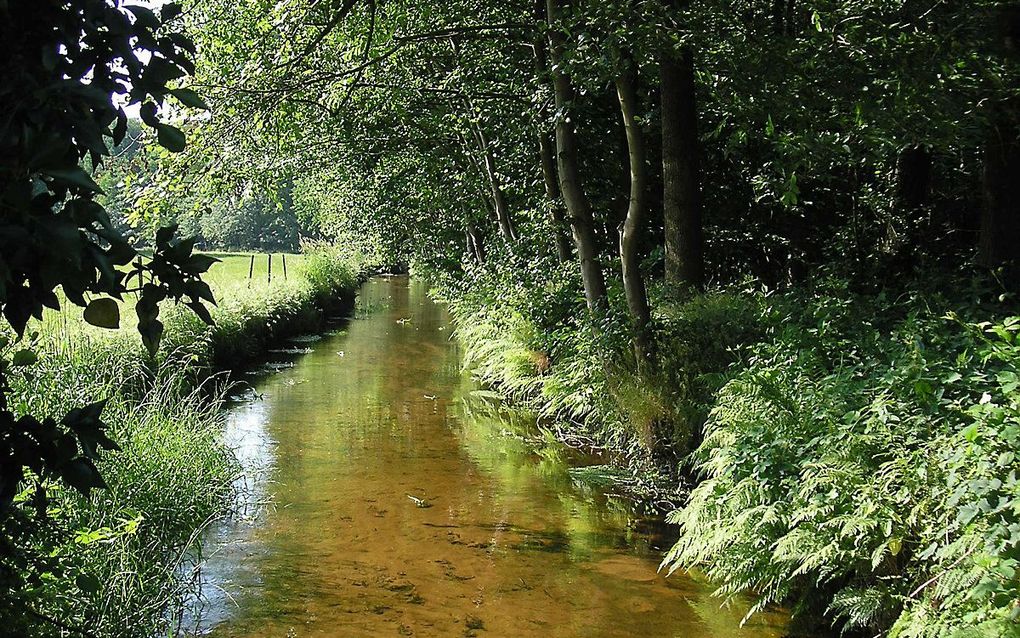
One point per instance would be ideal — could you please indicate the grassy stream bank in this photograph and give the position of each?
(847, 451)
(111, 562)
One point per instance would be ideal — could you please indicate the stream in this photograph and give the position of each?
(385, 495)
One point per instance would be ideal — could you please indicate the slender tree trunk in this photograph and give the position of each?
(476, 244)
(506, 225)
(484, 194)
(681, 172)
(578, 207)
(547, 155)
(547, 147)
(637, 212)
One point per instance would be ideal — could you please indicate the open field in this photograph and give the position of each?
(233, 268)
(228, 278)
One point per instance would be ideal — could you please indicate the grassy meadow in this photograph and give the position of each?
(112, 560)
(228, 279)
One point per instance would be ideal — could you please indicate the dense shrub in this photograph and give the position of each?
(859, 454)
(531, 337)
(863, 463)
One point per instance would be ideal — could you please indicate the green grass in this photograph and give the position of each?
(110, 561)
(233, 268)
(228, 279)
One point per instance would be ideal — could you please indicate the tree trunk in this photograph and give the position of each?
(913, 176)
(578, 206)
(630, 236)
(476, 244)
(999, 241)
(506, 225)
(552, 194)
(546, 146)
(484, 194)
(681, 172)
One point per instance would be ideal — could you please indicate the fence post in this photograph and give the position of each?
(251, 269)
(283, 258)
(269, 269)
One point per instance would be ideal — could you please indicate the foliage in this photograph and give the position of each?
(71, 69)
(864, 134)
(865, 466)
(109, 561)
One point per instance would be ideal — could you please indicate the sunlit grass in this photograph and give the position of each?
(235, 275)
(121, 548)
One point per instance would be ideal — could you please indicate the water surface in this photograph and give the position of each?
(387, 499)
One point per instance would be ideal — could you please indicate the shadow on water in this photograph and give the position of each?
(385, 495)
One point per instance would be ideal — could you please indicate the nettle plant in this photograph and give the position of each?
(70, 70)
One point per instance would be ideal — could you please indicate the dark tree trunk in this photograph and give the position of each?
(681, 172)
(630, 236)
(999, 241)
(578, 206)
(547, 150)
(913, 176)
(552, 194)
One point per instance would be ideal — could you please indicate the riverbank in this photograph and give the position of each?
(109, 562)
(846, 451)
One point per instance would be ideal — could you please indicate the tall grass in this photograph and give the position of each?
(110, 562)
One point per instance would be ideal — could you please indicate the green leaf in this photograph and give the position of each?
(816, 20)
(87, 583)
(103, 313)
(143, 15)
(187, 97)
(170, 11)
(165, 233)
(171, 138)
(24, 358)
(147, 111)
(152, 332)
(82, 475)
(971, 432)
(201, 311)
(895, 545)
(198, 264)
(74, 177)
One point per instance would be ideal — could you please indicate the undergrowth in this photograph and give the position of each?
(848, 453)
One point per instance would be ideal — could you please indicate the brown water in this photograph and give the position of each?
(501, 543)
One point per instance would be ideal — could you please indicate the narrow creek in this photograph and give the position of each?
(496, 541)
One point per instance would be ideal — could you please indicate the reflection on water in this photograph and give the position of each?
(404, 504)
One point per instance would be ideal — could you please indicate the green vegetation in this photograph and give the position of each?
(874, 459)
(764, 254)
(113, 559)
